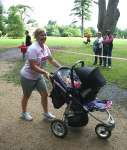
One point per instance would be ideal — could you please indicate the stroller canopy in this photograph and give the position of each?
(90, 77)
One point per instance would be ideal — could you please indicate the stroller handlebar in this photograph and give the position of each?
(74, 66)
(80, 62)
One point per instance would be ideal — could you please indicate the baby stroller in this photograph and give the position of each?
(77, 87)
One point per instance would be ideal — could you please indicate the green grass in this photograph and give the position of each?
(117, 74)
(9, 43)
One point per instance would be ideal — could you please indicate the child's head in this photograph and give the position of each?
(23, 43)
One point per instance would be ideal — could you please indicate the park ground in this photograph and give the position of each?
(17, 134)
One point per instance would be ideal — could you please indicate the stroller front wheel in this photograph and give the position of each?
(59, 128)
(102, 131)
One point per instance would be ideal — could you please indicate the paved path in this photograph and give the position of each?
(13, 53)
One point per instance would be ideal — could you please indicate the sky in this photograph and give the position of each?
(60, 10)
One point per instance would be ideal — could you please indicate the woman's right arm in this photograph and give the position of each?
(35, 67)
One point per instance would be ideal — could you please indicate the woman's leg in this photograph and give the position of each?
(100, 58)
(25, 115)
(27, 87)
(109, 55)
(24, 102)
(42, 89)
(105, 56)
(95, 61)
(44, 100)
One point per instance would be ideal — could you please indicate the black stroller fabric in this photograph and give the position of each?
(90, 77)
(59, 91)
(78, 119)
(58, 97)
(92, 80)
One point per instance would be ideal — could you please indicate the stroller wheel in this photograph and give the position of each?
(59, 128)
(102, 131)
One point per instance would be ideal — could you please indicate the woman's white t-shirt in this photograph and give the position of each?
(40, 55)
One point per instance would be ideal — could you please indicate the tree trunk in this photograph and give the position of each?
(108, 18)
(82, 27)
(101, 14)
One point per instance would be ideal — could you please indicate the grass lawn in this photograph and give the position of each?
(9, 43)
(64, 48)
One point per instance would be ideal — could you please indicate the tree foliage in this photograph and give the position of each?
(24, 11)
(89, 31)
(52, 28)
(15, 26)
(1, 19)
(120, 33)
(82, 11)
(19, 19)
(65, 31)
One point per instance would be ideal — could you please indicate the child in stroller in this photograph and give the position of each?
(78, 87)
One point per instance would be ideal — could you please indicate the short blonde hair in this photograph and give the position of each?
(37, 32)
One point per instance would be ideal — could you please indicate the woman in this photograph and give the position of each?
(33, 73)
(108, 46)
(97, 48)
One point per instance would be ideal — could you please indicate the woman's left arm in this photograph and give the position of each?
(54, 62)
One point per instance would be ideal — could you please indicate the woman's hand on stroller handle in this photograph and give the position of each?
(51, 76)
(47, 75)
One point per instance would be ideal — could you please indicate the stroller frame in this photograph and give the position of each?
(103, 129)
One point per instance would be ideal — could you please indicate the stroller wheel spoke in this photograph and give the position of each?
(102, 131)
(59, 128)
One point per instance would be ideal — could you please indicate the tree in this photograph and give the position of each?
(69, 31)
(24, 12)
(32, 23)
(15, 26)
(88, 31)
(120, 33)
(1, 18)
(107, 17)
(82, 11)
(52, 28)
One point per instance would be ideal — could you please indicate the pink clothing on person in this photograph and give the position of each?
(108, 39)
(40, 55)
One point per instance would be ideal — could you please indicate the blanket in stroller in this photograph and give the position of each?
(99, 104)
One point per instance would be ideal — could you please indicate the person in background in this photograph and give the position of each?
(28, 41)
(97, 48)
(23, 49)
(87, 39)
(107, 49)
(33, 73)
